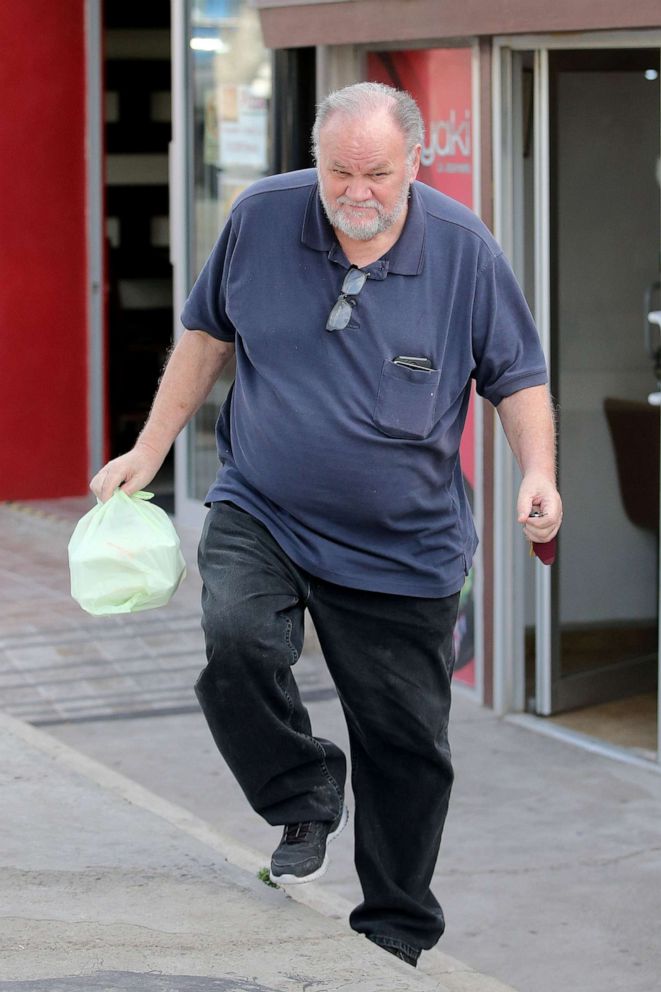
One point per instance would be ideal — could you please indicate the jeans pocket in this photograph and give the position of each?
(405, 401)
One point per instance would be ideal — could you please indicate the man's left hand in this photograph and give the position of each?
(539, 496)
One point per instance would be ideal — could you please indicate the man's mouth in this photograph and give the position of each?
(358, 206)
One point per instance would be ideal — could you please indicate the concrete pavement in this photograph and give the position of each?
(106, 886)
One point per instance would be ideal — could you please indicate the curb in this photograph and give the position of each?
(454, 975)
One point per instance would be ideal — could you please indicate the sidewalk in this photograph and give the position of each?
(105, 885)
(550, 868)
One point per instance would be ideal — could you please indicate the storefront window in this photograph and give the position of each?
(231, 90)
(440, 79)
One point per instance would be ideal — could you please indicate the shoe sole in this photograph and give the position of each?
(299, 879)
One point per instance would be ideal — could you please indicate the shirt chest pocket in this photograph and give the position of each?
(405, 401)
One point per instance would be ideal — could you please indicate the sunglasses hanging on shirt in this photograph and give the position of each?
(340, 315)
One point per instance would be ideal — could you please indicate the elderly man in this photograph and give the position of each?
(361, 305)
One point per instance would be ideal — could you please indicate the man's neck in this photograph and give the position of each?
(362, 253)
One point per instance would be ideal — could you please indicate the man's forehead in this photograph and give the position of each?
(366, 129)
(346, 140)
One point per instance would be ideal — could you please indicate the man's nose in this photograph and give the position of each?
(359, 190)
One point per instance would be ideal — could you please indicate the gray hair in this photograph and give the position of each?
(361, 99)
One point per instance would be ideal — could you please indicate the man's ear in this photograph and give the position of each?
(415, 164)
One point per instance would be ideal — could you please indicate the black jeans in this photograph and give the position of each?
(391, 660)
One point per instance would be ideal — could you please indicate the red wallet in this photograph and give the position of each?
(545, 552)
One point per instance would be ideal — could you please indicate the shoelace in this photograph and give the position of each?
(296, 833)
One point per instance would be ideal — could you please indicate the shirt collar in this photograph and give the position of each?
(406, 257)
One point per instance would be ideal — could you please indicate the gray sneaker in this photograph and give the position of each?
(301, 855)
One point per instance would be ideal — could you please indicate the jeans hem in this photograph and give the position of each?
(382, 940)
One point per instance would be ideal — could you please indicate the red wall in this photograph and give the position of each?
(43, 318)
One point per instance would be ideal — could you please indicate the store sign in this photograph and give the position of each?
(447, 139)
(440, 80)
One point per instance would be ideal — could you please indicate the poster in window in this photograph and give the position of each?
(440, 80)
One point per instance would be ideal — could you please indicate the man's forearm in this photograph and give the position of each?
(192, 369)
(529, 423)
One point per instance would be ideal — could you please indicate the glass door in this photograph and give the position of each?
(580, 215)
(222, 144)
(604, 202)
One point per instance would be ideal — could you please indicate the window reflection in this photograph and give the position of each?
(231, 81)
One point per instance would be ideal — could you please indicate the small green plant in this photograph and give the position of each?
(264, 876)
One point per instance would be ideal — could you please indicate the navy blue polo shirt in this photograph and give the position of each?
(350, 460)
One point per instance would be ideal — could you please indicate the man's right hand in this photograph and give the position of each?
(132, 471)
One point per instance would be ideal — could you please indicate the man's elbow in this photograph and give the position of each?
(223, 351)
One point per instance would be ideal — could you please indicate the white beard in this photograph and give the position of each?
(363, 230)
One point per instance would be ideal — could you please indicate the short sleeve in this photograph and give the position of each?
(506, 347)
(205, 308)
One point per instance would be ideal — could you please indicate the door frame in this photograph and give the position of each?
(189, 512)
(96, 274)
(509, 550)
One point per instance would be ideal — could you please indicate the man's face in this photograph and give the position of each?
(364, 174)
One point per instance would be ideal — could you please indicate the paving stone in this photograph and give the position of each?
(59, 663)
(13, 695)
(43, 656)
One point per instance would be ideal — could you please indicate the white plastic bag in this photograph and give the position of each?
(124, 556)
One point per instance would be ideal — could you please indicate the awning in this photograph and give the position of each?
(294, 23)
